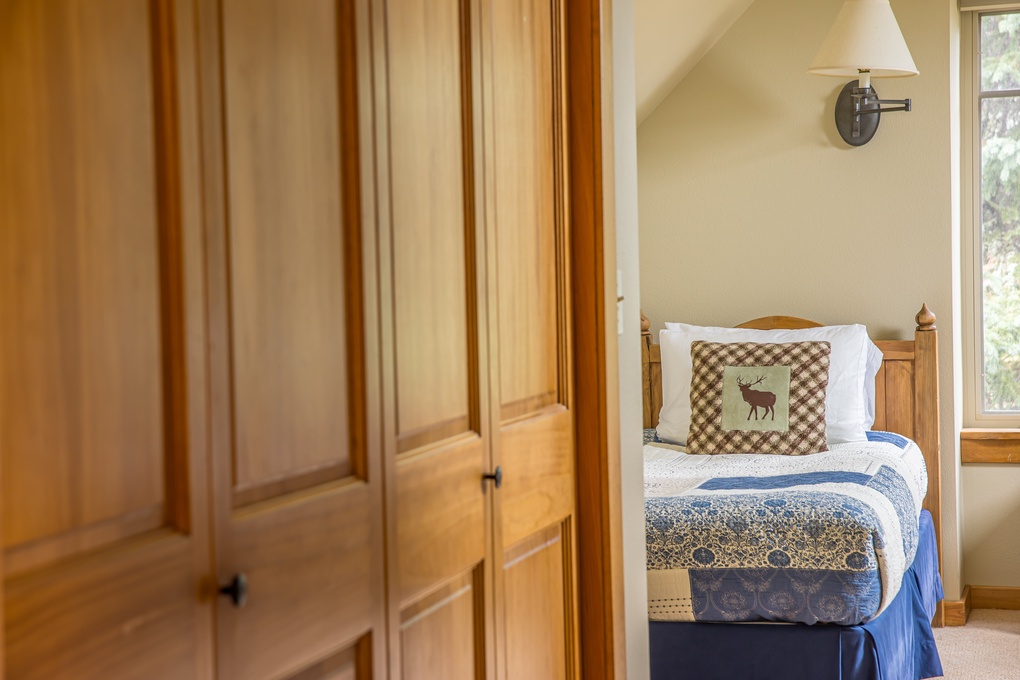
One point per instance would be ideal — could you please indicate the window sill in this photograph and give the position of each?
(987, 445)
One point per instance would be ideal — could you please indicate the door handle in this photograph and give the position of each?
(496, 477)
(236, 590)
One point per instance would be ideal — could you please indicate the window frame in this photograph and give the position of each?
(972, 315)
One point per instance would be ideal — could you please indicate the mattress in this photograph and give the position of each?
(822, 538)
(898, 645)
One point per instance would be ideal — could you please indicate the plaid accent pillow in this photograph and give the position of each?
(758, 397)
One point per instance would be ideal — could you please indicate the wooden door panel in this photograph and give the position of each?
(308, 558)
(536, 600)
(440, 634)
(526, 209)
(299, 496)
(351, 663)
(122, 615)
(82, 396)
(880, 423)
(432, 278)
(286, 244)
(538, 464)
(440, 517)
(102, 409)
(899, 396)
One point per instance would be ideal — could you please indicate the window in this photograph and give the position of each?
(992, 207)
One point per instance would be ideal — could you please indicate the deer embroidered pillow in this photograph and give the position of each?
(758, 397)
(846, 399)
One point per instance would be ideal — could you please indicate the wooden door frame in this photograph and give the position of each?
(593, 250)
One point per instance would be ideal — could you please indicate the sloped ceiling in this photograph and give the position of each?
(670, 37)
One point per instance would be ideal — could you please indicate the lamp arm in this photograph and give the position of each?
(904, 106)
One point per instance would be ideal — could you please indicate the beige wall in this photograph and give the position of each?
(991, 517)
(751, 205)
(670, 36)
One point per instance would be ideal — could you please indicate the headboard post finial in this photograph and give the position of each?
(646, 325)
(925, 319)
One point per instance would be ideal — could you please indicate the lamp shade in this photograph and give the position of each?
(865, 37)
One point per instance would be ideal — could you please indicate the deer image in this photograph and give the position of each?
(756, 398)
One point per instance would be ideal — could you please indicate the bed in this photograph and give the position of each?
(892, 645)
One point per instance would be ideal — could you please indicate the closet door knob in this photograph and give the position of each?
(496, 476)
(236, 590)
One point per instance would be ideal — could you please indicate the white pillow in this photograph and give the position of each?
(874, 365)
(845, 401)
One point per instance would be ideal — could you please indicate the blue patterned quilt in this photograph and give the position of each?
(823, 538)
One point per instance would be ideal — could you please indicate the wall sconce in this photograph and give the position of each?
(864, 43)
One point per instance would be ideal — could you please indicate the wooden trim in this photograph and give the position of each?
(490, 609)
(219, 359)
(379, 115)
(596, 402)
(187, 51)
(612, 491)
(349, 659)
(474, 221)
(646, 376)
(249, 494)
(986, 434)
(39, 553)
(171, 265)
(430, 435)
(372, 649)
(217, 301)
(989, 446)
(651, 380)
(529, 407)
(770, 323)
(379, 231)
(896, 350)
(989, 5)
(350, 197)
(958, 611)
(995, 597)
(562, 210)
(646, 379)
(571, 571)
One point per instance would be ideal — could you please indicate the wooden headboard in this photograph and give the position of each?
(906, 393)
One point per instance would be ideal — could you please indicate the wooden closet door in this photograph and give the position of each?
(102, 340)
(436, 452)
(476, 333)
(297, 484)
(530, 320)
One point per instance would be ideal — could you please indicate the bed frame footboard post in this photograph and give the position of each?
(926, 422)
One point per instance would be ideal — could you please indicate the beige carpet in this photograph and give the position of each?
(987, 648)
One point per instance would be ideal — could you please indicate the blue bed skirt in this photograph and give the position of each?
(898, 645)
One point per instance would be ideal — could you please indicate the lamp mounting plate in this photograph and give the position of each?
(847, 112)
